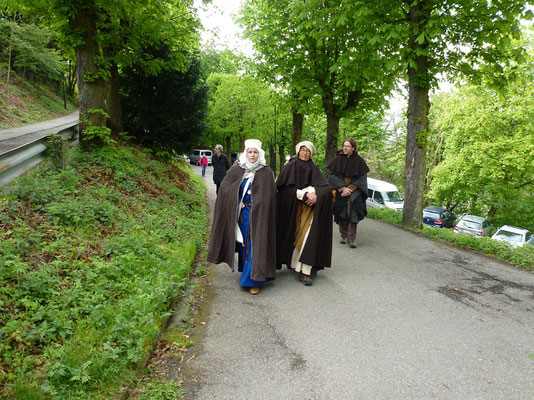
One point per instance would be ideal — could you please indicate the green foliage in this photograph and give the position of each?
(240, 107)
(385, 214)
(93, 131)
(180, 98)
(156, 389)
(91, 258)
(485, 165)
(33, 52)
(522, 257)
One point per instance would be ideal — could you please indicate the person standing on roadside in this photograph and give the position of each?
(221, 164)
(203, 164)
(348, 176)
(244, 219)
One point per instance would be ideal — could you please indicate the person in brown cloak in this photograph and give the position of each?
(244, 219)
(348, 176)
(304, 228)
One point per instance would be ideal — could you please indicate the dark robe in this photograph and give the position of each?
(349, 171)
(317, 251)
(262, 221)
(220, 165)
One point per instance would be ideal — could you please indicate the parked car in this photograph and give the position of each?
(473, 225)
(383, 194)
(517, 237)
(438, 216)
(197, 153)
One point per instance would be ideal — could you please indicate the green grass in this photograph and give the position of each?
(522, 257)
(26, 102)
(91, 259)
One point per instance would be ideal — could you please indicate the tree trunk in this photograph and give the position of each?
(228, 147)
(93, 92)
(417, 129)
(281, 155)
(9, 53)
(332, 134)
(71, 80)
(114, 103)
(272, 158)
(298, 122)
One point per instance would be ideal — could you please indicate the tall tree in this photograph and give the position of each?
(316, 48)
(488, 150)
(443, 37)
(109, 35)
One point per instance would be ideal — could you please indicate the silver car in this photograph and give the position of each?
(473, 225)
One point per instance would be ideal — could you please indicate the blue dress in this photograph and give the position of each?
(245, 248)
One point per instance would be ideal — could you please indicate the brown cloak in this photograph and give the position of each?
(262, 221)
(317, 251)
(349, 171)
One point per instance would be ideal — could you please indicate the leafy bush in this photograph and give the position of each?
(385, 214)
(522, 257)
(91, 259)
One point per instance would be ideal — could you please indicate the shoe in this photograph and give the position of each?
(254, 290)
(352, 245)
(305, 279)
(343, 241)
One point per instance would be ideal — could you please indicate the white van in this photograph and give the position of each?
(194, 157)
(383, 194)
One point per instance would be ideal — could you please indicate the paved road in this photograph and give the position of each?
(14, 137)
(400, 317)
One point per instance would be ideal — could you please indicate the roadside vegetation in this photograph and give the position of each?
(92, 257)
(522, 257)
(28, 102)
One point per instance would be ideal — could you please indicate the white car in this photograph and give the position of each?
(517, 237)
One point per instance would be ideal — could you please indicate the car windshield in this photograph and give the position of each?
(429, 214)
(510, 236)
(394, 196)
(469, 224)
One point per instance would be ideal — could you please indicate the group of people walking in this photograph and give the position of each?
(287, 222)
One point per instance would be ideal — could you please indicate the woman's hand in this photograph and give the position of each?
(311, 199)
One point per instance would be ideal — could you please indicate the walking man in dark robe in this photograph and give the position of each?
(221, 164)
(348, 176)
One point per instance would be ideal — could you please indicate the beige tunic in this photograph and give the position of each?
(304, 220)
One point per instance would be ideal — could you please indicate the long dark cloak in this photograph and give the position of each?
(263, 222)
(317, 251)
(354, 167)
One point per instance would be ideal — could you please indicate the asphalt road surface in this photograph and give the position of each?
(12, 138)
(400, 317)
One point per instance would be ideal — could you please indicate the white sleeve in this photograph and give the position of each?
(302, 192)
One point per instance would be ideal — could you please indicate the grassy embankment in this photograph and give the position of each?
(521, 257)
(25, 102)
(91, 259)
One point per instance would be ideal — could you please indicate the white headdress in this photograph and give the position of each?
(309, 145)
(252, 144)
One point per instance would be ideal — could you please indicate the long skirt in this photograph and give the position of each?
(245, 248)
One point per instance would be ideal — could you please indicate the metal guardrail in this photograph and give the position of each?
(19, 160)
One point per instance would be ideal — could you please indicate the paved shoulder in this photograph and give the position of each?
(14, 137)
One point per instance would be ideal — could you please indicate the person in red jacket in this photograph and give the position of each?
(203, 164)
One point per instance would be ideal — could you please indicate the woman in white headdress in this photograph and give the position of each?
(304, 228)
(244, 219)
